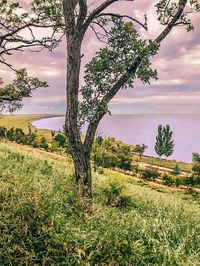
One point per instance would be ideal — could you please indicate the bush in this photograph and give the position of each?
(3, 131)
(189, 180)
(178, 181)
(114, 193)
(168, 179)
(29, 139)
(60, 139)
(112, 153)
(150, 174)
(176, 170)
(15, 134)
(196, 173)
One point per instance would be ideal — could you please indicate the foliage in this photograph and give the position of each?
(196, 158)
(140, 149)
(3, 131)
(196, 173)
(168, 179)
(123, 46)
(176, 170)
(11, 95)
(15, 134)
(39, 225)
(112, 153)
(114, 192)
(150, 174)
(29, 139)
(60, 139)
(164, 143)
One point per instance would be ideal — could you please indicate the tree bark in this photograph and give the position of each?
(80, 153)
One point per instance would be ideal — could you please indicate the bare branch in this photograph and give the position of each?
(144, 25)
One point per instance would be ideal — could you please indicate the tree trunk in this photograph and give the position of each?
(80, 154)
(83, 174)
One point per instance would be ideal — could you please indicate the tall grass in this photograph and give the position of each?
(42, 223)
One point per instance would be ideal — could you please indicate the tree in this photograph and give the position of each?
(168, 141)
(196, 158)
(176, 170)
(164, 142)
(125, 57)
(159, 146)
(140, 149)
(11, 95)
(17, 33)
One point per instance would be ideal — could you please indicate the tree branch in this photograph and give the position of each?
(92, 127)
(97, 11)
(144, 25)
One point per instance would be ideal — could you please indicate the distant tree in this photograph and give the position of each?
(159, 147)
(196, 158)
(176, 170)
(196, 173)
(164, 142)
(60, 139)
(168, 141)
(140, 149)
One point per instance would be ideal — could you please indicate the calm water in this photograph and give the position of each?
(139, 129)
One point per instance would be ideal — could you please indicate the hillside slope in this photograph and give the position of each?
(43, 224)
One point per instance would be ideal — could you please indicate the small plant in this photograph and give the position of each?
(114, 193)
(135, 169)
(60, 139)
(3, 131)
(176, 170)
(178, 182)
(168, 179)
(150, 174)
(196, 173)
(188, 180)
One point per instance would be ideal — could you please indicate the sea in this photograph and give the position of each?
(142, 129)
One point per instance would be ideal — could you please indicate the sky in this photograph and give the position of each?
(178, 63)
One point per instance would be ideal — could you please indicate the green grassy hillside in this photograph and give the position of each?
(43, 224)
(22, 121)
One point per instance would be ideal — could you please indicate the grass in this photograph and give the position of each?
(23, 121)
(42, 223)
(186, 167)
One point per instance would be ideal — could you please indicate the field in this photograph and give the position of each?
(186, 167)
(43, 224)
(22, 121)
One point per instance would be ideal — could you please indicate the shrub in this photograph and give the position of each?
(60, 139)
(114, 193)
(29, 139)
(178, 181)
(150, 174)
(176, 170)
(196, 173)
(15, 134)
(3, 131)
(43, 143)
(109, 152)
(189, 180)
(168, 179)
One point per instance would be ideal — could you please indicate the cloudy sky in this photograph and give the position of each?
(178, 64)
